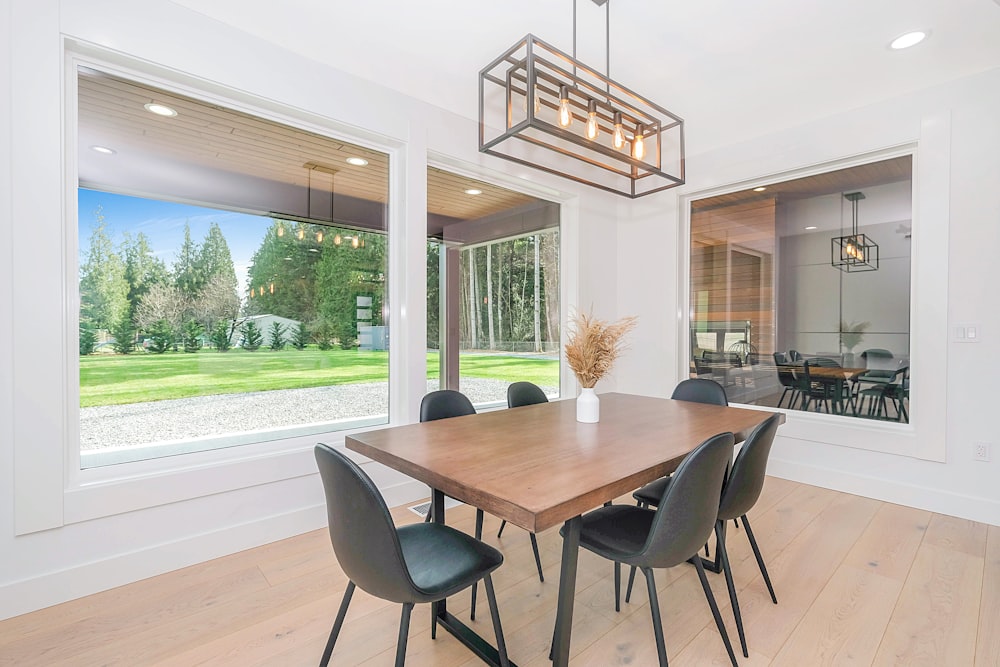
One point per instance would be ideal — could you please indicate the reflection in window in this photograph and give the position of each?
(777, 321)
(232, 277)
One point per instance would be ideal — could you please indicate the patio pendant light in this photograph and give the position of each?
(529, 97)
(854, 252)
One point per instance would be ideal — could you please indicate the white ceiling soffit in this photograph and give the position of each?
(732, 69)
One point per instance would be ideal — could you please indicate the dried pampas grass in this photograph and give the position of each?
(594, 345)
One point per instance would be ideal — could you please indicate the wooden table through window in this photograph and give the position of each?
(537, 467)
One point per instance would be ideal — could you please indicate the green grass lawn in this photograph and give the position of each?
(138, 378)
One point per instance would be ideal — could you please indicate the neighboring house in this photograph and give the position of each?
(264, 323)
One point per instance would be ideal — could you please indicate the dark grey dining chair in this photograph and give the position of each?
(520, 394)
(444, 404)
(424, 562)
(669, 535)
(740, 493)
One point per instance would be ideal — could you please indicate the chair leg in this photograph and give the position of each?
(538, 561)
(503, 524)
(654, 608)
(727, 570)
(479, 536)
(618, 586)
(715, 608)
(491, 597)
(760, 560)
(328, 651)
(404, 630)
(631, 580)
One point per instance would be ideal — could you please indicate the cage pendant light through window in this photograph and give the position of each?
(530, 97)
(854, 252)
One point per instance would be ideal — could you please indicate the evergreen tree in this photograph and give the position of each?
(88, 339)
(192, 335)
(142, 269)
(215, 260)
(124, 334)
(103, 289)
(300, 337)
(187, 275)
(161, 336)
(220, 336)
(276, 336)
(252, 337)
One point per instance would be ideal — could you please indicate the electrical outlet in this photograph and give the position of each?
(981, 451)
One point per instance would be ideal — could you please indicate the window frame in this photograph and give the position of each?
(924, 436)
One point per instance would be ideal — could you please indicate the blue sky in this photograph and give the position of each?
(163, 224)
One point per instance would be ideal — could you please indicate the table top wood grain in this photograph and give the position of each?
(536, 466)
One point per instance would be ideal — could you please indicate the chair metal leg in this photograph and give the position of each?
(631, 580)
(654, 608)
(475, 586)
(491, 598)
(538, 561)
(721, 548)
(337, 624)
(618, 586)
(715, 608)
(760, 560)
(503, 524)
(404, 631)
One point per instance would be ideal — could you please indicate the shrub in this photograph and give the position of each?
(301, 337)
(161, 336)
(192, 336)
(220, 337)
(124, 334)
(88, 339)
(252, 337)
(276, 337)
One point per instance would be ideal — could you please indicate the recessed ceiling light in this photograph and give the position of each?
(908, 40)
(357, 161)
(473, 191)
(760, 189)
(103, 150)
(810, 227)
(159, 109)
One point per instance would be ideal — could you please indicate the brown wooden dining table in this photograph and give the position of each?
(537, 467)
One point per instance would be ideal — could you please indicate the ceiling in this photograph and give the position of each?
(213, 155)
(732, 69)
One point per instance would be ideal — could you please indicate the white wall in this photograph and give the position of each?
(955, 236)
(63, 533)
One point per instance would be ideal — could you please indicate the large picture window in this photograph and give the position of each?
(232, 276)
(800, 292)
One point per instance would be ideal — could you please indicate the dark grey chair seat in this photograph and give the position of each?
(443, 561)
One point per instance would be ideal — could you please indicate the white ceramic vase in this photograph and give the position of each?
(588, 406)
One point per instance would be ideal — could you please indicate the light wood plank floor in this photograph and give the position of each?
(859, 582)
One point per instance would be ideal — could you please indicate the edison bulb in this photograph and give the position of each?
(319, 237)
(565, 114)
(619, 136)
(638, 146)
(336, 240)
(281, 229)
(537, 105)
(354, 242)
(301, 234)
(592, 129)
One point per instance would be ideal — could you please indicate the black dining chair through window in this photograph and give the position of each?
(669, 535)
(520, 394)
(424, 562)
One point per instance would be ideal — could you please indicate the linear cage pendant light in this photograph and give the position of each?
(854, 252)
(543, 108)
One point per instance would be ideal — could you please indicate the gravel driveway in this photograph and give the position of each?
(206, 416)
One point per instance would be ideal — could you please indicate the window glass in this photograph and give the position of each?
(232, 275)
(494, 256)
(800, 292)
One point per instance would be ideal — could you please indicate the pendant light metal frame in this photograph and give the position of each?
(855, 252)
(531, 74)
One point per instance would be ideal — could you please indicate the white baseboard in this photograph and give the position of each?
(983, 510)
(27, 595)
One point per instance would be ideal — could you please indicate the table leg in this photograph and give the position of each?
(440, 615)
(567, 591)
